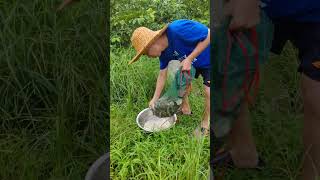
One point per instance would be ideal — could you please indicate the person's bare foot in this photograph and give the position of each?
(205, 124)
(201, 132)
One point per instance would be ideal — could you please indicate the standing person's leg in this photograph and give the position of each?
(311, 132)
(307, 40)
(185, 106)
(206, 114)
(243, 149)
(206, 74)
(203, 129)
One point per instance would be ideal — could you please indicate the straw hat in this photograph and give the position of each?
(142, 38)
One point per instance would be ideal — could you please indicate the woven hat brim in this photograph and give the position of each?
(137, 56)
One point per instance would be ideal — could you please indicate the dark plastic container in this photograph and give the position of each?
(100, 169)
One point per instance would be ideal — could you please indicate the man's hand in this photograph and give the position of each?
(186, 64)
(160, 85)
(152, 102)
(245, 13)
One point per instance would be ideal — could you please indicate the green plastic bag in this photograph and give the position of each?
(237, 57)
(170, 102)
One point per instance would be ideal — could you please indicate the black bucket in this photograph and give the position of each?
(100, 169)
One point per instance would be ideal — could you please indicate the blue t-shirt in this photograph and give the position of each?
(183, 37)
(293, 10)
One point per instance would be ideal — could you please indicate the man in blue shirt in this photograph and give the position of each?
(184, 40)
(299, 22)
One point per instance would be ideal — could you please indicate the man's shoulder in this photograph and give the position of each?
(181, 23)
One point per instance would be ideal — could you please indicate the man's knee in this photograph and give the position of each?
(310, 93)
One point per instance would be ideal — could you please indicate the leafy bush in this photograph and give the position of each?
(128, 15)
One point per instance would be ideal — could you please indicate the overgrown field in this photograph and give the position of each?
(172, 154)
(53, 77)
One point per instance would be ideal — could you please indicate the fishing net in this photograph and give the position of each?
(237, 57)
(178, 81)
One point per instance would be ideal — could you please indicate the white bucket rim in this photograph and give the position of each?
(137, 121)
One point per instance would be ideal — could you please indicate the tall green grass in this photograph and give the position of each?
(53, 78)
(171, 154)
